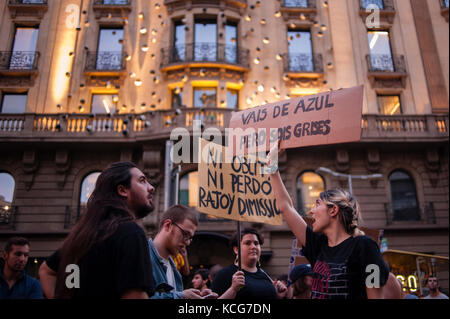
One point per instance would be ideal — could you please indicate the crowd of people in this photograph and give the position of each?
(107, 254)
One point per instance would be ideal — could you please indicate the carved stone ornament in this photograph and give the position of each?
(342, 160)
(62, 162)
(30, 165)
(151, 159)
(433, 165)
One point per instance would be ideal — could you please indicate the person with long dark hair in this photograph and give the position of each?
(106, 245)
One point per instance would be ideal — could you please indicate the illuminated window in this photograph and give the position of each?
(309, 187)
(300, 51)
(13, 103)
(87, 187)
(103, 104)
(403, 196)
(232, 99)
(389, 104)
(177, 98)
(205, 97)
(7, 186)
(380, 51)
(188, 192)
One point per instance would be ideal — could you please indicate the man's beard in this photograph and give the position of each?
(143, 211)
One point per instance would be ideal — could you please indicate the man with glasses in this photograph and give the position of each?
(176, 230)
(433, 286)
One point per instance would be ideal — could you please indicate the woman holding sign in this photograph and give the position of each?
(346, 264)
(252, 282)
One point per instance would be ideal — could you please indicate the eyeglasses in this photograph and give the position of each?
(186, 235)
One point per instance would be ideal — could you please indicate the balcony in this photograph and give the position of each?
(444, 9)
(404, 128)
(303, 11)
(421, 215)
(105, 66)
(387, 12)
(111, 8)
(18, 68)
(27, 8)
(208, 56)
(156, 125)
(152, 125)
(182, 5)
(303, 69)
(386, 71)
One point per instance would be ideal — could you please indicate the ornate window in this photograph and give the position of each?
(403, 197)
(309, 187)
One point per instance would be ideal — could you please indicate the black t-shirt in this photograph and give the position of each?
(257, 285)
(111, 267)
(340, 271)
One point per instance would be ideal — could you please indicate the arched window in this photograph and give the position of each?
(309, 187)
(87, 187)
(7, 186)
(403, 196)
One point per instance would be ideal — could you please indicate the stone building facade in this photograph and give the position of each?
(84, 83)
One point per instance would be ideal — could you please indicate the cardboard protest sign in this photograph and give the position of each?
(237, 189)
(325, 118)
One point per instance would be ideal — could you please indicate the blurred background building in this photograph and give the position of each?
(84, 83)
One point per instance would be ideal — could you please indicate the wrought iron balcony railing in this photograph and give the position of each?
(205, 52)
(303, 62)
(105, 61)
(386, 63)
(19, 60)
(111, 2)
(424, 214)
(386, 5)
(299, 4)
(25, 2)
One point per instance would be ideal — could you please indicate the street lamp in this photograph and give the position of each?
(348, 176)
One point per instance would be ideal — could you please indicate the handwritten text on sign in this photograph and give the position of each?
(238, 190)
(325, 118)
